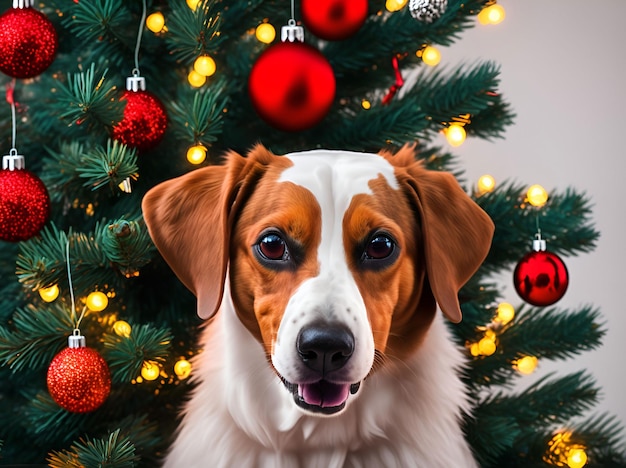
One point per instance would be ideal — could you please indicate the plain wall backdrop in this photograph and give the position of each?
(563, 69)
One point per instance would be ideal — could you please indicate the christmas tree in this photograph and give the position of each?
(78, 255)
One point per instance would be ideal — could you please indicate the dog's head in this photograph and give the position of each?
(333, 257)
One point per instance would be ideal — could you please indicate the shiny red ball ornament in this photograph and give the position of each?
(144, 122)
(79, 379)
(334, 20)
(541, 278)
(28, 42)
(24, 205)
(292, 86)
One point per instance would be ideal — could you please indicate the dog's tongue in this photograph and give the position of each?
(323, 393)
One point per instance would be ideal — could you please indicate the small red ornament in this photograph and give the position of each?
(145, 119)
(24, 200)
(292, 85)
(78, 378)
(28, 42)
(334, 20)
(541, 278)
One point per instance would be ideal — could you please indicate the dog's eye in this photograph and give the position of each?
(273, 247)
(381, 246)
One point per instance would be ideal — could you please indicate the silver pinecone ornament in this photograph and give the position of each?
(427, 10)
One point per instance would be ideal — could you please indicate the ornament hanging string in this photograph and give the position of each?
(10, 96)
(139, 34)
(72, 299)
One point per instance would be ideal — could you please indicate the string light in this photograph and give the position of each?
(395, 5)
(526, 365)
(150, 370)
(97, 301)
(537, 195)
(122, 328)
(193, 4)
(265, 33)
(486, 184)
(505, 313)
(576, 458)
(155, 22)
(205, 65)
(431, 56)
(182, 368)
(49, 294)
(195, 79)
(196, 154)
(493, 14)
(365, 104)
(562, 451)
(455, 134)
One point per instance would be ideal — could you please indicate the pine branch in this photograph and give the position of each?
(114, 452)
(100, 167)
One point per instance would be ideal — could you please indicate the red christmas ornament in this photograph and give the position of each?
(334, 20)
(145, 119)
(78, 378)
(28, 42)
(24, 200)
(292, 85)
(541, 278)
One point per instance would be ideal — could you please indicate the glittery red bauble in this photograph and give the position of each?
(24, 205)
(28, 42)
(292, 86)
(541, 278)
(334, 20)
(79, 379)
(144, 121)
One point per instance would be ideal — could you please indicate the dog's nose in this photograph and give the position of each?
(325, 348)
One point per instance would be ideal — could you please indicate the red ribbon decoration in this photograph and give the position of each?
(397, 85)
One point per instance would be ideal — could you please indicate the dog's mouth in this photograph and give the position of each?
(323, 396)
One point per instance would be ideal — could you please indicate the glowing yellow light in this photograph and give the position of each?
(455, 134)
(122, 328)
(486, 184)
(493, 14)
(265, 33)
(196, 79)
(576, 458)
(97, 301)
(193, 4)
(505, 313)
(474, 350)
(155, 22)
(526, 365)
(49, 294)
(431, 56)
(395, 5)
(182, 368)
(365, 104)
(487, 346)
(150, 370)
(204, 65)
(537, 195)
(196, 154)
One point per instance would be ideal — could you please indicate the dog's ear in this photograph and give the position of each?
(457, 232)
(189, 219)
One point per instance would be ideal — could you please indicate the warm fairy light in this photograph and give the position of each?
(365, 104)
(493, 14)
(431, 56)
(204, 65)
(182, 368)
(97, 301)
(195, 79)
(526, 365)
(505, 313)
(49, 294)
(487, 346)
(576, 458)
(486, 184)
(196, 154)
(395, 5)
(455, 134)
(537, 195)
(265, 33)
(150, 370)
(193, 4)
(122, 328)
(155, 22)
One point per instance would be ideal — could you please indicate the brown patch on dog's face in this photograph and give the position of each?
(261, 287)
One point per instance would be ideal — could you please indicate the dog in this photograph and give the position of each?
(321, 272)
